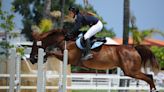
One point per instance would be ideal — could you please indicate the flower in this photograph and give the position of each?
(45, 25)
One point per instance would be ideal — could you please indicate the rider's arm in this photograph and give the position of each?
(77, 26)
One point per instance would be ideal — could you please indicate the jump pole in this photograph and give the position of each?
(65, 62)
(18, 72)
(11, 67)
(41, 79)
(14, 69)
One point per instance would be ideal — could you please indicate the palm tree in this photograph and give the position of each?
(47, 8)
(86, 3)
(137, 35)
(126, 21)
(62, 14)
(125, 34)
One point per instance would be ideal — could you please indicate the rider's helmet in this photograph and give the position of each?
(74, 10)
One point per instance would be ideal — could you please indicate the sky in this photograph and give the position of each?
(149, 14)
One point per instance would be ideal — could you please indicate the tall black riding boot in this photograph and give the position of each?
(87, 54)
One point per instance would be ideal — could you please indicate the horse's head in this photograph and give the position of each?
(34, 53)
(53, 37)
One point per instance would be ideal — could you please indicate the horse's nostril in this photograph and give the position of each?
(45, 59)
(33, 61)
(36, 56)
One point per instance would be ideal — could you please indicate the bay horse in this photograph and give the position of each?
(129, 58)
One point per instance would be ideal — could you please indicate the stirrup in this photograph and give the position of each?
(88, 56)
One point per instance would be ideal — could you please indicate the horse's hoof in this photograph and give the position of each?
(154, 90)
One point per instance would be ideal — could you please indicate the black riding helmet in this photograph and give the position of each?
(74, 10)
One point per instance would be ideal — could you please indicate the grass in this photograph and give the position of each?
(104, 91)
(89, 91)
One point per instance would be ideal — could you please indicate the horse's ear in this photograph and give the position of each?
(36, 35)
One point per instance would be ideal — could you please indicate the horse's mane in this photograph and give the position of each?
(41, 36)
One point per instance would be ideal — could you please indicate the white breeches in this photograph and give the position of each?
(93, 30)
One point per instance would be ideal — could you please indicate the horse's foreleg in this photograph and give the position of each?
(58, 55)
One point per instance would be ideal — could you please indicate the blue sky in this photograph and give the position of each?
(149, 14)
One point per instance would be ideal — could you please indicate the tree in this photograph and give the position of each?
(47, 8)
(159, 53)
(32, 12)
(7, 25)
(126, 21)
(105, 32)
(62, 14)
(86, 4)
(139, 36)
(126, 16)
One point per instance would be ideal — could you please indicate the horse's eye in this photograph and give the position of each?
(36, 56)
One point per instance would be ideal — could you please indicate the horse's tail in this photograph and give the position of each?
(147, 55)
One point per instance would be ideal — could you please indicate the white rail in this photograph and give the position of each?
(89, 82)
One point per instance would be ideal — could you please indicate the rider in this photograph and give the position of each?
(82, 20)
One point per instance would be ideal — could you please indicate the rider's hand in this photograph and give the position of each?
(68, 36)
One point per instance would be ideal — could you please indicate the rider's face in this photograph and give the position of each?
(71, 14)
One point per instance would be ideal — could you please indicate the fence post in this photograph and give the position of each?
(65, 61)
(11, 66)
(18, 72)
(41, 79)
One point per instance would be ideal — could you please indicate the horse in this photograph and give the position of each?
(129, 58)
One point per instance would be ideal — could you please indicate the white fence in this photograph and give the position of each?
(79, 81)
(91, 82)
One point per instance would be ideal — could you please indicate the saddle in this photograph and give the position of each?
(94, 41)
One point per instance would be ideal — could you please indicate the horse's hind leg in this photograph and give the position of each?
(150, 76)
(130, 71)
(146, 78)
